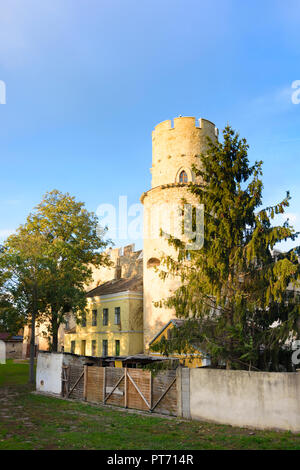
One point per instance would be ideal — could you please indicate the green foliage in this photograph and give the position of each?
(233, 290)
(176, 341)
(25, 272)
(50, 260)
(158, 366)
(10, 319)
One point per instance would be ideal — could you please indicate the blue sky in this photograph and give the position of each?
(87, 81)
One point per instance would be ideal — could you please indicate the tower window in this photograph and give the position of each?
(153, 262)
(183, 177)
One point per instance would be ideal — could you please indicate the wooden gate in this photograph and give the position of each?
(73, 381)
(164, 392)
(131, 388)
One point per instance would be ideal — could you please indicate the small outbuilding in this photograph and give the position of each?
(13, 345)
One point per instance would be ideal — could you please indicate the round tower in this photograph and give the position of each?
(175, 149)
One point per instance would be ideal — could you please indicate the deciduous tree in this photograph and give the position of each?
(48, 263)
(74, 246)
(25, 267)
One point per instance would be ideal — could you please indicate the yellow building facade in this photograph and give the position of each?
(114, 321)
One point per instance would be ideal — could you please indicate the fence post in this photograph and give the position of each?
(178, 387)
(185, 392)
(65, 380)
(104, 384)
(126, 385)
(85, 380)
(151, 394)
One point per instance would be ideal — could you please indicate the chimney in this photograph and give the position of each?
(118, 270)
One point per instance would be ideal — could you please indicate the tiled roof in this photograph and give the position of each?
(70, 331)
(4, 336)
(10, 337)
(118, 285)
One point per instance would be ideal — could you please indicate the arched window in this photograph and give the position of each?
(183, 177)
(153, 262)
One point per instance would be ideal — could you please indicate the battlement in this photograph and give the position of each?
(184, 123)
(127, 250)
(176, 145)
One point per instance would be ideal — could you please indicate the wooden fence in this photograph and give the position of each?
(73, 381)
(129, 388)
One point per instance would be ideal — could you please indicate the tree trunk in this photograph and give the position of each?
(54, 328)
(32, 350)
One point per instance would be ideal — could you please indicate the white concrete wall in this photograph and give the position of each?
(265, 400)
(14, 350)
(49, 372)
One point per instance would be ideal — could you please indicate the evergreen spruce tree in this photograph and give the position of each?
(240, 302)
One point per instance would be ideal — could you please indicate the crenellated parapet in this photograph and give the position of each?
(204, 125)
(177, 145)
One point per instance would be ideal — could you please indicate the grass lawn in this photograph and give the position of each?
(29, 421)
(14, 373)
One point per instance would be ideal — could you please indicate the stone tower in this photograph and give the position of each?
(175, 148)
